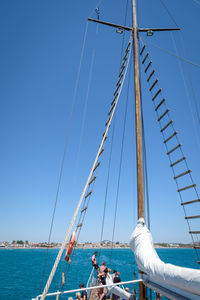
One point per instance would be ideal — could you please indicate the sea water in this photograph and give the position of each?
(23, 276)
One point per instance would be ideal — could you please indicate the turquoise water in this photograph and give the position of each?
(21, 269)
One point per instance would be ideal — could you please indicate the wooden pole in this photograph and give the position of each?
(140, 188)
(140, 185)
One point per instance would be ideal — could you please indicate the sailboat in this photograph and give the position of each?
(168, 280)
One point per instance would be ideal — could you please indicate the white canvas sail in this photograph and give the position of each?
(148, 261)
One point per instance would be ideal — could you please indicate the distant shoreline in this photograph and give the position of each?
(96, 248)
(19, 244)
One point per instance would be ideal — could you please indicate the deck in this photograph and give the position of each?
(93, 295)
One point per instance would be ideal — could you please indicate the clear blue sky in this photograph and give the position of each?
(40, 50)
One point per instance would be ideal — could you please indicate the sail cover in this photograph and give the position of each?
(148, 261)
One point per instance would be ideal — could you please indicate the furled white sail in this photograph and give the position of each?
(148, 261)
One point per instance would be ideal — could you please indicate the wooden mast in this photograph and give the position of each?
(140, 184)
(140, 188)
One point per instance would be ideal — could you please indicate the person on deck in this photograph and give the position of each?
(94, 261)
(103, 267)
(158, 296)
(109, 280)
(102, 280)
(83, 293)
(78, 296)
(114, 273)
(102, 275)
(116, 279)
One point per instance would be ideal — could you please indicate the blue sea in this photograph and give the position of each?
(21, 270)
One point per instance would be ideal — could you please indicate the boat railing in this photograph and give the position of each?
(91, 282)
(88, 288)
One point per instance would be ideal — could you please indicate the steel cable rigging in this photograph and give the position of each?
(120, 165)
(185, 55)
(95, 165)
(65, 151)
(108, 176)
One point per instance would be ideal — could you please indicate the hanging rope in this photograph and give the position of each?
(87, 204)
(67, 267)
(64, 153)
(145, 171)
(94, 166)
(84, 112)
(112, 104)
(108, 176)
(120, 165)
(123, 36)
(106, 193)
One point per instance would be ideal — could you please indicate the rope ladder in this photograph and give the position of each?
(178, 162)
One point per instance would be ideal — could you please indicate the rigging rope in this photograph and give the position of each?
(89, 197)
(78, 229)
(120, 165)
(183, 47)
(197, 2)
(122, 47)
(145, 170)
(65, 150)
(125, 19)
(190, 80)
(97, 6)
(94, 166)
(106, 192)
(187, 96)
(85, 110)
(65, 271)
(108, 176)
(170, 15)
(170, 53)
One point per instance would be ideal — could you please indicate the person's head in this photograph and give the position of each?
(109, 270)
(81, 285)
(95, 253)
(114, 271)
(103, 263)
(78, 295)
(106, 270)
(118, 273)
(127, 289)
